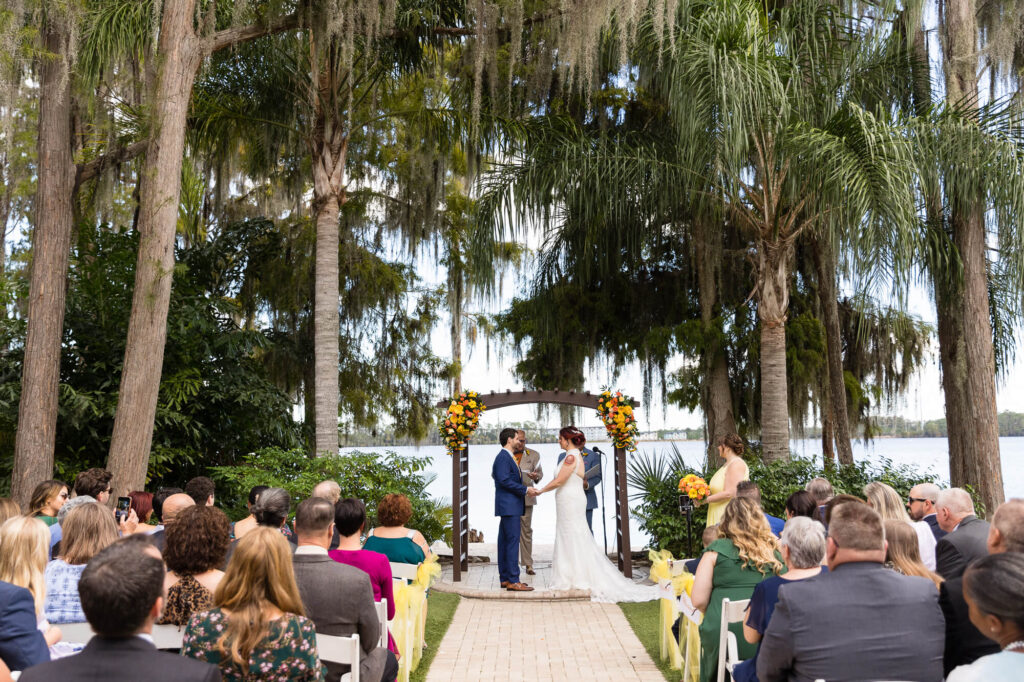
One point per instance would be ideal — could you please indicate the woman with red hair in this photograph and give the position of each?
(578, 562)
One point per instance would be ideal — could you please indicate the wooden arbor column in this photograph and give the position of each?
(460, 513)
(622, 515)
(460, 477)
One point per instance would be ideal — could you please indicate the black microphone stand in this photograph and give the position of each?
(604, 517)
(686, 508)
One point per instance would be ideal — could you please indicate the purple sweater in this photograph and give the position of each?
(377, 566)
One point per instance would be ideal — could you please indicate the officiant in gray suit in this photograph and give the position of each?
(591, 465)
(529, 465)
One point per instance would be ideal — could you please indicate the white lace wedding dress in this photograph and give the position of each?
(578, 562)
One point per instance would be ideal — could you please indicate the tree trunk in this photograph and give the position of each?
(456, 295)
(326, 326)
(716, 394)
(772, 309)
(329, 149)
(180, 53)
(51, 242)
(825, 263)
(968, 222)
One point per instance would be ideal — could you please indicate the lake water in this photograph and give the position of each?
(923, 453)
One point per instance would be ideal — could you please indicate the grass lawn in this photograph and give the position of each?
(440, 611)
(643, 618)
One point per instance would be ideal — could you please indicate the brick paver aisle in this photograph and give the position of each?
(494, 640)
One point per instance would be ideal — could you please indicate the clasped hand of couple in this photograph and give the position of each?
(533, 492)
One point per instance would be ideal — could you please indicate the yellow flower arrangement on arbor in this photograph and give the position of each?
(463, 415)
(616, 412)
(695, 487)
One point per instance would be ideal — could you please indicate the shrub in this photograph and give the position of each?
(368, 476)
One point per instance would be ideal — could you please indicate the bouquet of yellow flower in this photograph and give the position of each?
(616, 412)
(461, 420)
(695, 487)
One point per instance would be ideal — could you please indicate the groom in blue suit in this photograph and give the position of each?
(509, 504)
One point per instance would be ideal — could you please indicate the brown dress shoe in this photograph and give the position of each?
(530, 571)
(505, 583)
(519, 587)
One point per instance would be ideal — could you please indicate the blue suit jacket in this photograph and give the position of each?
(509, 491)
(776, 524)
(590, 459)
(21, 644)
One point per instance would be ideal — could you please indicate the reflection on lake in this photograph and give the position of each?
(923, 453)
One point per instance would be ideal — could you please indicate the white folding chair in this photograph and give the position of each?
(404, 571)
(168, 636)
(78, 633)
(382, 617)
(344, 650)
(728, 647)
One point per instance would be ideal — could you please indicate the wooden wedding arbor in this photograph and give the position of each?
(460, 476)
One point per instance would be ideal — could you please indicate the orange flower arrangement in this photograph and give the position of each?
(616, 412)
(695, 487)
(461, 420)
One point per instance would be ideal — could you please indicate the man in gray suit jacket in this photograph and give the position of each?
(966, 533)
(532, 471)
(338, 598)
(859, 621)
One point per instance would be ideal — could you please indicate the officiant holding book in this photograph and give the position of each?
(592, 467)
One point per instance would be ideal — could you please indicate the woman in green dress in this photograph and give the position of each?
(257, 630)
(745, 553)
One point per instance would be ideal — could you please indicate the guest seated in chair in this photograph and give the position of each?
(338, 598)
(744, 554)
(994, 587)
(803, 548)
(391, 538)
(122, 593)
(257, 630)
(197, 543)
(87, 529)
(21, 643)
(24, 549)
(350, 519)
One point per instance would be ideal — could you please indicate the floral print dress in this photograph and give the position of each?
(288, 652)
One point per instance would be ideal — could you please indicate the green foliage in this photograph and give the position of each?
(368, 476)
(656, 476)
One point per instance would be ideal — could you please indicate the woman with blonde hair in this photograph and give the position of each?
(46, 501)
(902, 553)
(745, 554)
(87, 529)
(8, 509)
(257, 629)
(890, 506)
(24, 548)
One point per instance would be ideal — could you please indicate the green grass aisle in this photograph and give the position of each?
(440, 611)
(643, 618)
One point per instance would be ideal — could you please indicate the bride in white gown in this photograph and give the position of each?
(578, 562)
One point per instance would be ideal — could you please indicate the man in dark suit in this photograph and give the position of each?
(964, 643)
(122, 592)
(338, 598)
(967, 534)
(859, 621)
(591, 460)
(21, 643)
(921, 505)
(509, 504)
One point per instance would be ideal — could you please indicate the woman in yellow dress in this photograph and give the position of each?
(723, 484)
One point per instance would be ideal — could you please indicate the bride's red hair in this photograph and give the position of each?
(573, 435)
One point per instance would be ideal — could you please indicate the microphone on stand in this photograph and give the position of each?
(604, 517)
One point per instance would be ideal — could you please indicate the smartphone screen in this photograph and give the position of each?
(121, 511)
